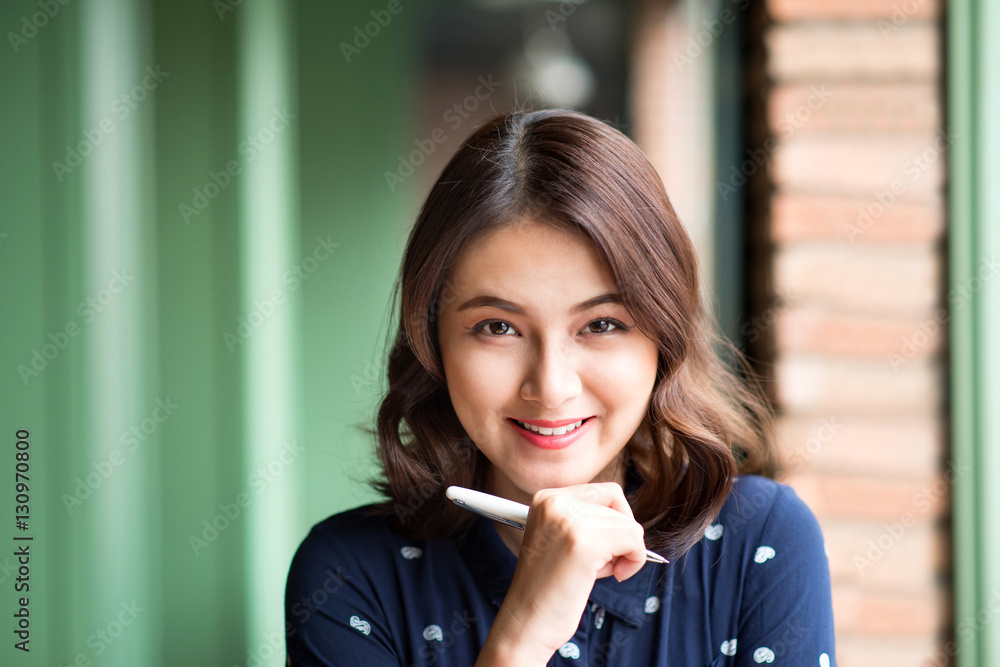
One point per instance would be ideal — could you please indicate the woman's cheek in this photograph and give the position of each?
(493, 366)
(626, 373)
(483, 381)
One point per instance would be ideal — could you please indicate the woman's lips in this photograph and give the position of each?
(552, 441)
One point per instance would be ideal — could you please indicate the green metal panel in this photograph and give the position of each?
(181, 419)
(37, 229)
(269, 245)
(200, 455)
(115, 273)
(357, 118)
(974, 299)
(988, 167)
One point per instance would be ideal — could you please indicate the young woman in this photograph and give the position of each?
(553, 350)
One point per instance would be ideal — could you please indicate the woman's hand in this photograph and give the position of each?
(574, 535)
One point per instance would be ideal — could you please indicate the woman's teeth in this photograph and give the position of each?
(561, 430)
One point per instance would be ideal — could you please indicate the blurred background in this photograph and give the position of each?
(205, 205)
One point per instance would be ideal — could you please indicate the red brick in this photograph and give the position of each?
(864, 613)
(865, 498)
(825, 331)
(865, 651)
(855, 107)
(881, 446)
(812, 218)
(886, 556)
(853, 51)
(887, 169)
(861, 279)
(824, 386)
(851, 10)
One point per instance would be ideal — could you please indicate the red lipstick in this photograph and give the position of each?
(551, 441)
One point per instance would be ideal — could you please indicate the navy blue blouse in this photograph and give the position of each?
(754, 591)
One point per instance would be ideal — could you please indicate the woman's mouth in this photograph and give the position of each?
(560, 430)
(552, 437)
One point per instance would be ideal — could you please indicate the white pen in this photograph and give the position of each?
(505, 511)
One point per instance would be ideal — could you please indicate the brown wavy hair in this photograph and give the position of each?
(705, 422)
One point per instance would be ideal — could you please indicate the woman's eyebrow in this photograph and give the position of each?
(490, 301)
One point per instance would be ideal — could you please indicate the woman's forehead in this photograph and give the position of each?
(527, 236)
(530, 253)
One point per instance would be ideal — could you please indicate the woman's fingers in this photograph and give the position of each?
(606, 494)
(592, 520)
(612, 532)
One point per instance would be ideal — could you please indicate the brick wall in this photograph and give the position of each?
(847, 161)
(853, 222)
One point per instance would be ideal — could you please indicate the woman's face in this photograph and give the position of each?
(531, 330)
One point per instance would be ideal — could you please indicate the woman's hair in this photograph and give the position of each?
(704, 423)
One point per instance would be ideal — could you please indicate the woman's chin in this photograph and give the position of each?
(553, 481)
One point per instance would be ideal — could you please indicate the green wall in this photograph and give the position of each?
(974, 252)
(155, 414)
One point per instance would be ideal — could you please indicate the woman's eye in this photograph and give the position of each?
(604, 326)
(496, 328)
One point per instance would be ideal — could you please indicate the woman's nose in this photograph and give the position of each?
(552, 377)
